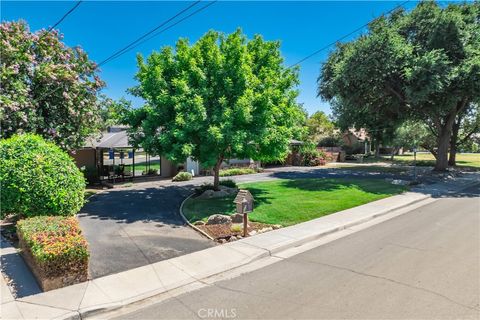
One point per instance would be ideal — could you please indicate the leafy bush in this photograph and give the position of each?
(151, 172)
(208, 186)
(236, 228)
(182, 176)
(228, 183)
(331, 141)
(91, 174)
(55, 243)
(38, 178)
(236, 171)
(204, 187)
(310, 155)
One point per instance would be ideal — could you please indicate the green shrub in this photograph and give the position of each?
(236, 171)
(228, 183)
(204, 187)
(182, 176)
(38, 178)
(91, 174)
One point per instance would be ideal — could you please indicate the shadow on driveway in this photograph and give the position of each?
(131, 227)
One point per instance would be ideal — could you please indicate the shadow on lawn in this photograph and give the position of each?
(370, 186)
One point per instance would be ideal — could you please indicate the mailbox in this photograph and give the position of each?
(244, 201)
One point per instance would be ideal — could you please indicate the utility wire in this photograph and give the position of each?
(134, 43)
(345, 36)
(116, 55)
(64, 16)
(140, 41)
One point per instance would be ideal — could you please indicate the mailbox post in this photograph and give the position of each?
(244, 202)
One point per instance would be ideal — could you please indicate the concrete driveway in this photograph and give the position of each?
(136, 226)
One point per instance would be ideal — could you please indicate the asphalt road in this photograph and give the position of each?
(424, 264)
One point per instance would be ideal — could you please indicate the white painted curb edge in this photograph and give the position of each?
(188, 222)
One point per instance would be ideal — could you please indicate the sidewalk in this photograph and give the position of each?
(121, 289)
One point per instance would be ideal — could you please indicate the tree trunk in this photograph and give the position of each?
(377, 148)
(452, 158)
(216, 173)
(394, 151)
(444, 136)
(443, 140)
(453, 142)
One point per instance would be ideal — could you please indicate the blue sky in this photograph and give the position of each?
(102, 27)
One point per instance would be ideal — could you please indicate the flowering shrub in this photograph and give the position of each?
(38, 178)
(47, 87)
(55, 243)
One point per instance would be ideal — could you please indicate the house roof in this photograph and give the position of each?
(116, 139)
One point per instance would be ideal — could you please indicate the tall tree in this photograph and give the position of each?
(422, 65)
(319, 126)
(47, 88)
(223, 97)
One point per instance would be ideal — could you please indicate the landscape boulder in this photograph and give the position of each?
(219, 219)
(237, 218)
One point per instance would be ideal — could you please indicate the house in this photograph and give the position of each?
(112, 157)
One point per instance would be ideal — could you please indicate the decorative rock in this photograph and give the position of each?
(252, 233)
(265, 229)
(237, 218)
(219, 219)
(232, 238)
(199, 223)
(276, 226)
(221, 241)
(228, 190)
(400, 182)
(208, 194)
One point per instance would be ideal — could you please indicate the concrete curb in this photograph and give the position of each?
(113, 292)
(188, 222)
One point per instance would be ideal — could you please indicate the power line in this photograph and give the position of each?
(64, 16)
(128, 48)
(134, 43)
(345, 36)
(165, 29)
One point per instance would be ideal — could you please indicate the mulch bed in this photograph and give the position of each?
(223, 232)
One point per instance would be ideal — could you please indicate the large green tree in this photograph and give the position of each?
(223, 97)
(423, 64)
(319, 126)
(47, 87)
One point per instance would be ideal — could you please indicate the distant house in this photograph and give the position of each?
(352, 137)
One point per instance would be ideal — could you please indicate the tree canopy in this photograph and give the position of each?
(319, 126)
(223, 97)
(47, 88)
(423, 64)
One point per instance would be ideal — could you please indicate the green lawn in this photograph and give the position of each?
(142, 166)
(471, 160)
(288, 202)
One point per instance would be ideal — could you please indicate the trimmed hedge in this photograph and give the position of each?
(38, 178)
(55, 249)
(236, 172)
(182, 176)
